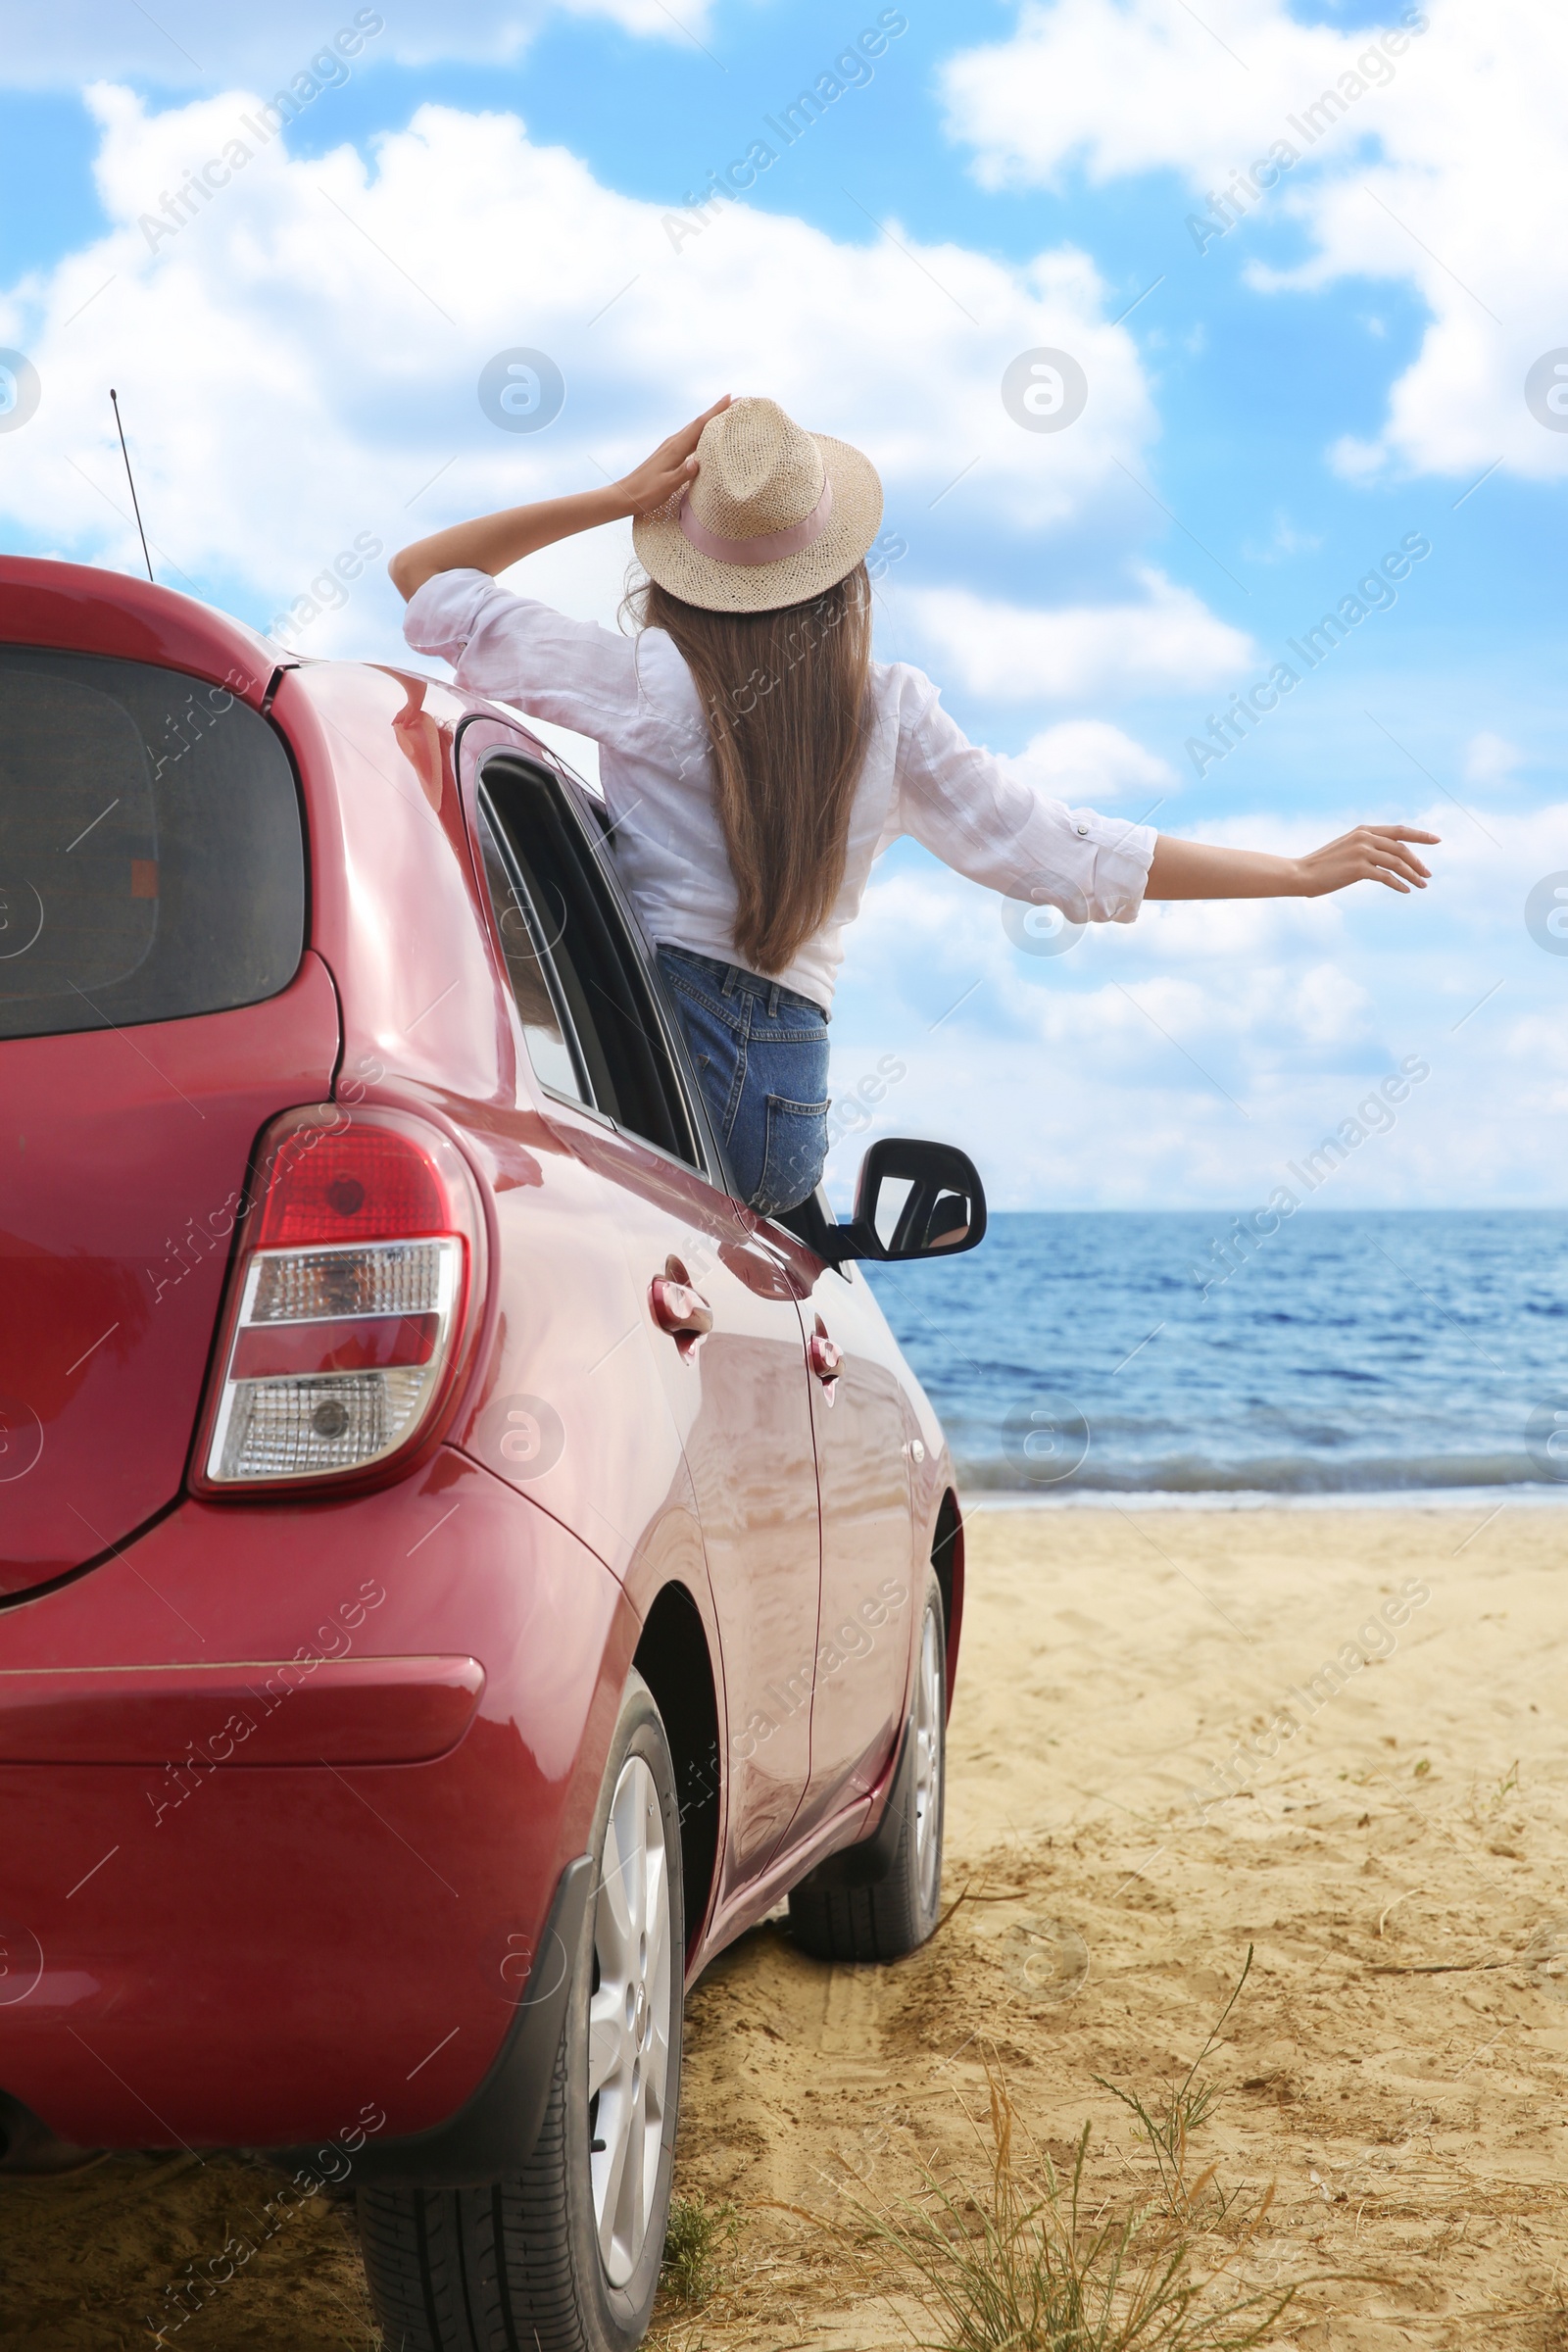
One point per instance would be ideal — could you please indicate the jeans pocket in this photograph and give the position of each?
(793, 1157)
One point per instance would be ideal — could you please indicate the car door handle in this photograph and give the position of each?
(679, 1309)
(826, 1359)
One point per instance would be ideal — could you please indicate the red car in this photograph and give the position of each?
(457, 1567)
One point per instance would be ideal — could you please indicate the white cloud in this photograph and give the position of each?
(1329, 1006)
(189, 43)
(1116, 1002)
(1442, 166)
(1128, 86)
(1491, 759)
(1087, 760)
(1019, 653)
(300, 357)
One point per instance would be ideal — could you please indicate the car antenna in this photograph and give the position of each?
(131, 479)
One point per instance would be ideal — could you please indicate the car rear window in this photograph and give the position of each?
(152, 861)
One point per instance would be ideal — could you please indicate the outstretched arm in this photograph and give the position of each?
(1194, 870)
(494, 541)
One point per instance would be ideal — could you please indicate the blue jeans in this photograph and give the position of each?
(761, 1061)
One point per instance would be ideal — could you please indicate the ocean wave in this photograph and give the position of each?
(1283, 1474)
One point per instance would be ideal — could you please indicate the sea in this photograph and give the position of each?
(1121, 1356)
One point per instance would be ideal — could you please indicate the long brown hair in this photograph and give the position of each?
(785, 696)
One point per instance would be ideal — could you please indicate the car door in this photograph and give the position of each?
(711, 1300)
(863, 1429)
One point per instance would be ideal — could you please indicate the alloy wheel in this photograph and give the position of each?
(928, 1762)
(629, 2021)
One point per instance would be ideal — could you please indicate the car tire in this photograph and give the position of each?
(565, 2256)
(882, 1898)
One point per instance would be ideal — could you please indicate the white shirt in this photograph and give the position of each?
(922, 777)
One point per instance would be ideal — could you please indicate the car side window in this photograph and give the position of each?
(550, 1049)
(581, 987)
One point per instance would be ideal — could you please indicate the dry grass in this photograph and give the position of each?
(1029, 2261)
(1024, 2265)
(1183, 2111)
(699, 2236)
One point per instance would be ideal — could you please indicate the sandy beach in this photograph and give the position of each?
(1335, 1734)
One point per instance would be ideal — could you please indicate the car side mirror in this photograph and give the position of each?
(914, 1200)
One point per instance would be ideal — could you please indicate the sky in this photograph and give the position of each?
(1170, 332)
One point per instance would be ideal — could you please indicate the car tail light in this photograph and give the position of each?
(349, 1304)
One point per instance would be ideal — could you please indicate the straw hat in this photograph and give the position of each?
(773, 516)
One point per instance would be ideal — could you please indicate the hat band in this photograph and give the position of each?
(770, 547)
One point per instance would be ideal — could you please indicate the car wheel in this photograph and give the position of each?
(881, 1899)
(565, 2256)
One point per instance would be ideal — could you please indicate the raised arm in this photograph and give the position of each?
(1195, 869)
(493, 542)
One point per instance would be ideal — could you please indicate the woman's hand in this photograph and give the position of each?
(1371, 853)
(673, 464)
(1197, 869)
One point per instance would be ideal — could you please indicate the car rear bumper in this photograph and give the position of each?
(321, 1926)
(270, 1710)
